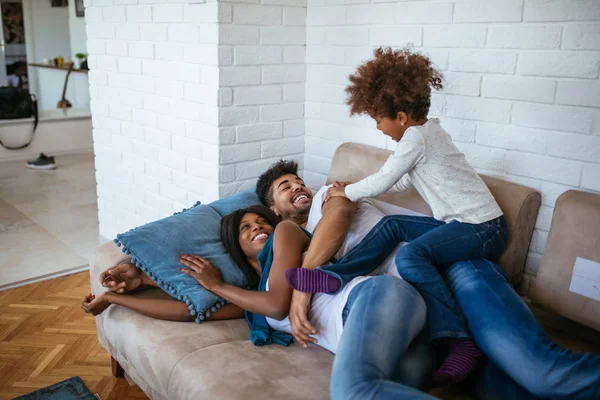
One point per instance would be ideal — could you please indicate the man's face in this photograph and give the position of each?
(292, 199)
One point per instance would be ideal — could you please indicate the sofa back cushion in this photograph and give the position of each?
(573, 234)
(155, 248)
(520, 204)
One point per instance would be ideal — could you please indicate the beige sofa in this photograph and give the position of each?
(215, 360)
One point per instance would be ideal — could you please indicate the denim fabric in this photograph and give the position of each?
(432, 245)
(489, 382)
(382, 316)
(506, 331)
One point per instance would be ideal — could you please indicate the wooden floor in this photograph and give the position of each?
(46, 338)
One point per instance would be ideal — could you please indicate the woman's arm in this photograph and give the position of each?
(288, 245)
(170, 310)
(228, 311)
(166, 309)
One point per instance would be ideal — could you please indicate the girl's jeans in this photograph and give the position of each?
(433, 245)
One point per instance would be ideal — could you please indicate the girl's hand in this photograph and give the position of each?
(201, 270)
(341, 183)
(337, 191)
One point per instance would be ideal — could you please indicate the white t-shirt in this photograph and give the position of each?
(326, 309)
(426, 159)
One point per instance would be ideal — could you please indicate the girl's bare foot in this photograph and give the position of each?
(95, 305)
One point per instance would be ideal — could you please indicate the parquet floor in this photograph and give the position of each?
(46, 338)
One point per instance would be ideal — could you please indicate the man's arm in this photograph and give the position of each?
(328, 238)
(330, 233)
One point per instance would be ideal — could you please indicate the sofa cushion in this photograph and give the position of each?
(520, 204)
(573, 234)
(155, 248)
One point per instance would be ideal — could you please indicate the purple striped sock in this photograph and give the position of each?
(463, 358)
(312, 281)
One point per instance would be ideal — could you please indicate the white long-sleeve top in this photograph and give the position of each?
(426, 159)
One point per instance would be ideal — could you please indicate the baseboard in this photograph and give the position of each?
(27, 157)
(46, 277)
(51, 137)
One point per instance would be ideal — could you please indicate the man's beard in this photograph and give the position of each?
(300, 214)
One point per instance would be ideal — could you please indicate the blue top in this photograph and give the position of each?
(260, 331)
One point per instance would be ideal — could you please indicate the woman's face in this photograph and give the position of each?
(254, 232)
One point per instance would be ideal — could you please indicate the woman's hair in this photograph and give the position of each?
(392, 82)
(230, 236)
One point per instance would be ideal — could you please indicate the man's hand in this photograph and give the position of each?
(301, 326)
(335, 191)
(122, 278)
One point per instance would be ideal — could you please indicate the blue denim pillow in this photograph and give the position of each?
(155, 249)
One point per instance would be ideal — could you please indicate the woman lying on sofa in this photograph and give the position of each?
(370, 323)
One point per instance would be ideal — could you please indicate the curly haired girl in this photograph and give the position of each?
(394, 88)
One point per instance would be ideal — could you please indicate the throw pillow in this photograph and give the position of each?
(155, 249)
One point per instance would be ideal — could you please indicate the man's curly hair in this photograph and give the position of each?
(265, 181)
(392, 82)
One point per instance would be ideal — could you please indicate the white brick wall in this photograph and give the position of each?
(266, 76)
(522, 96)
(149, 163)
(193, 101)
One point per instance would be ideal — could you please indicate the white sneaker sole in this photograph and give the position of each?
(49, 166)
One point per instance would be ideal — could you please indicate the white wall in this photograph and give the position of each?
(47, 36)
(522, 96)
(77, 35)
(154, 85)
(262, 80)
(78, 42)
(193, 101)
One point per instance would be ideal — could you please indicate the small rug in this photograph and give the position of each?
(71, 389)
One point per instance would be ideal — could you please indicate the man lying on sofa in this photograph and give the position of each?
(520, 354)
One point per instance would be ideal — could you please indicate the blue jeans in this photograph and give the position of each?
(506, 331)
(488, 382)
(432, 246)
(523, 362)
(381, 318)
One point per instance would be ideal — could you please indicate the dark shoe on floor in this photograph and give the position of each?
(42, 162)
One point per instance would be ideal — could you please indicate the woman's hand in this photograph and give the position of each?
(335, 191)
(95, 305)
(202, 270)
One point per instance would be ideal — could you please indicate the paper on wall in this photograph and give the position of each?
(586, 279)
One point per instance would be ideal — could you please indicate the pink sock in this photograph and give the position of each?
(312, 281)
(463, 358)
